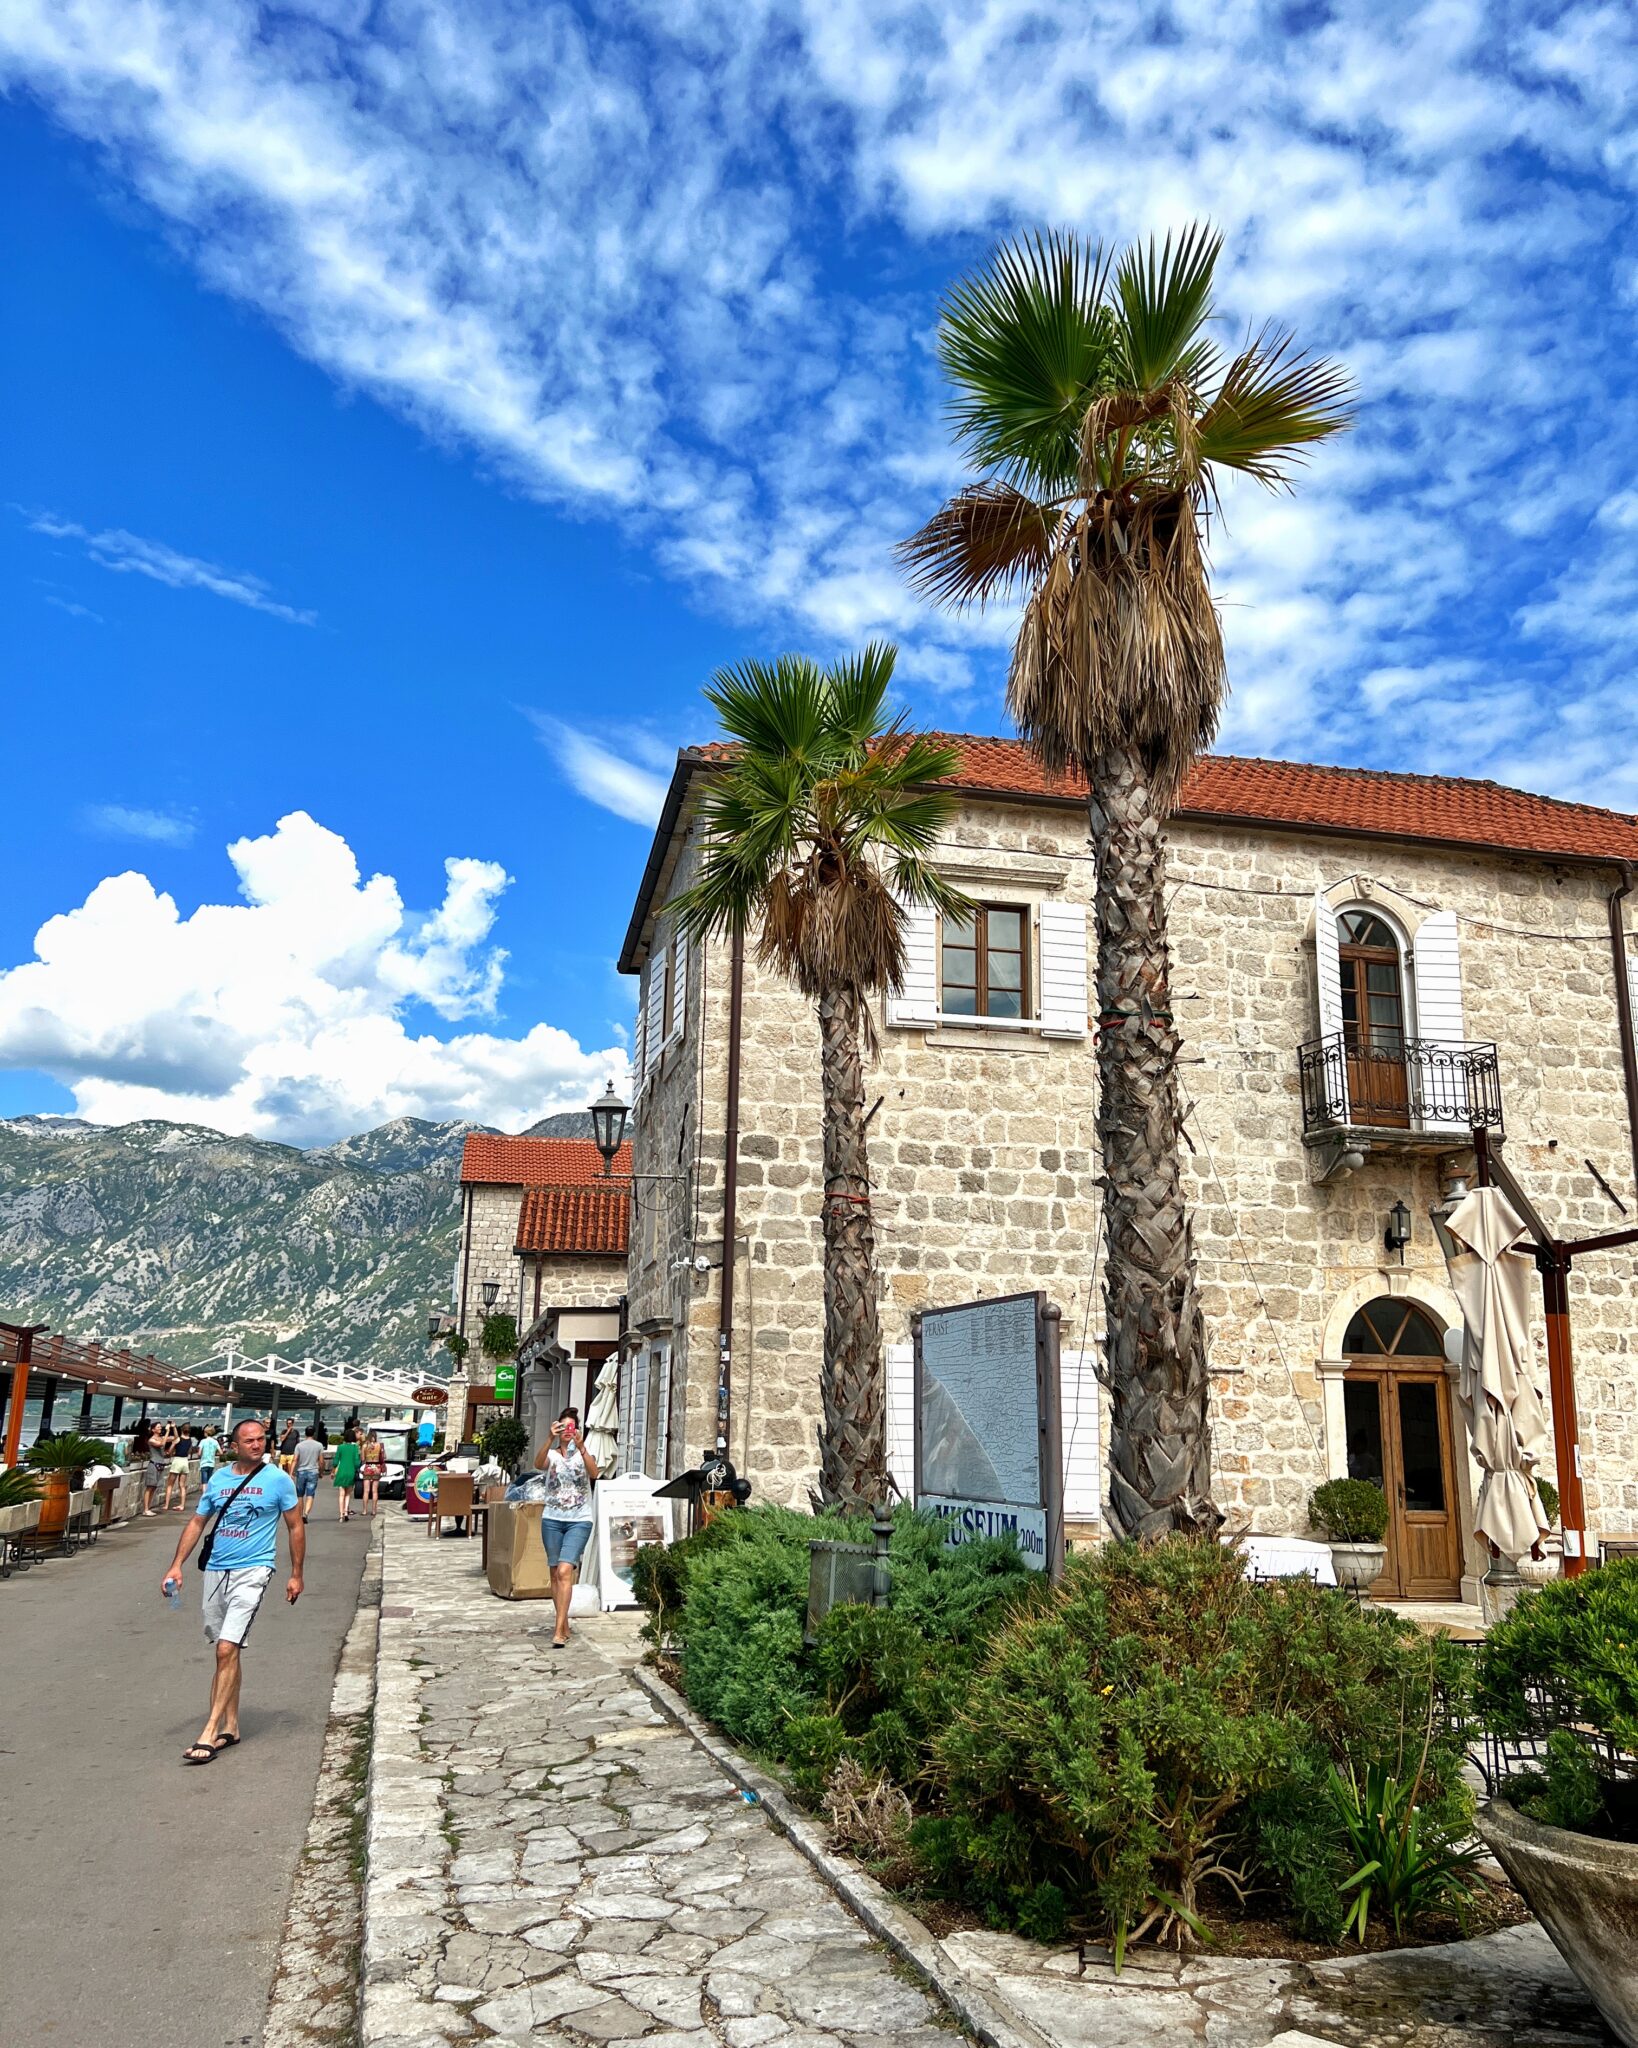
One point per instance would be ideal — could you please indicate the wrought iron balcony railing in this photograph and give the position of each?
(1393, 1083)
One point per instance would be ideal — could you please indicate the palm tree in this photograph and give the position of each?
(1100, 415)
(816, 831)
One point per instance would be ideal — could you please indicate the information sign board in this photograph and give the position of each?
(987, 1454)
(506, 1382)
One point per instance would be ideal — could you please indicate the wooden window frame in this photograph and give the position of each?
(1028, 1008)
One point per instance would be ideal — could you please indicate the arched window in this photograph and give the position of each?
(1391, 1328)
(1373, 986)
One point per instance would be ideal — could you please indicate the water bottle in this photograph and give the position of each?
(173, 1594)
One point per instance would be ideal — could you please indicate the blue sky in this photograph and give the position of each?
(412, 403)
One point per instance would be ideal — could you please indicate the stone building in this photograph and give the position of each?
(1361, 963)
(543, 1224)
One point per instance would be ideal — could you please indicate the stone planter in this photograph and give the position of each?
(1540, 1571)
(1585, 1893)
(1358, 1564)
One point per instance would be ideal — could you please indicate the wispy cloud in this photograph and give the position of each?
(128, 554)
(74, 610)
(601, 775)
(622, 255)
(125, 821)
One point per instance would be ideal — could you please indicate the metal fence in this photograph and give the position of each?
(1398, 1083)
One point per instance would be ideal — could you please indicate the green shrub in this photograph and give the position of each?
(1118, 1736)
(1349, 1511)
(504, 1441)
(1549, 1500)
(1409, 1862)
(1578, 1638)
(68, 1452)
(18, 1487)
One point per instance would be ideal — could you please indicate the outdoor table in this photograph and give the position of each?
(1288, 1557)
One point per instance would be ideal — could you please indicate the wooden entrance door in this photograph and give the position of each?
(1396, 1400)
(1373, 1020)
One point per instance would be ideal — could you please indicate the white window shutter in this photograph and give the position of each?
(636, 1417)
(1632, 981)
(1327, 965)
(662, 1453)
(916, 1002)
(1082, 1447)
(1439, 1019)
(1062, 931)
(679, 987)
(639, 1036)
(901, 1418)
(654, 1029)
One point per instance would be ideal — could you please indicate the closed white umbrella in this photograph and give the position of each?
(603, 1422)
(1492, 1279)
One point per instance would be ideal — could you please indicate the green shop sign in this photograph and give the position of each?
(506, 1382)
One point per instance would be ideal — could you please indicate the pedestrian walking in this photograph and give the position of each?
(177, 1472)
(348, 1460)
(210, 1451)
(566, 1517)
(375, 1464)
(309, 1455)
(287, 1448)
(242, 1507)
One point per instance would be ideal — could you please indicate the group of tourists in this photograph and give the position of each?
(166, 1451)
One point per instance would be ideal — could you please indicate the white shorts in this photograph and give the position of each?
(231, 1601)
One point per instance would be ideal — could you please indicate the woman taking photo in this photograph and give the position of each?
(176, 1471)
(566, 1518)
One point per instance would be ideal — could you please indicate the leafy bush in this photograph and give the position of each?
(1123, 1733)
(504, 1440)
(1574, 1641)
(1349, 1511)
(498, 1339)
(68, 1452)
(18, 1487)
(1548, 1493)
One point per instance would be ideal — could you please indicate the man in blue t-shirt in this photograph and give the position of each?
(246, 1499)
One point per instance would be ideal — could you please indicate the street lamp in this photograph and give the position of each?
(1397, 1234)
(608, 1115)
(491, 1288)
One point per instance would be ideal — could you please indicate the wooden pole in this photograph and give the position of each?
(24, 1333)
(1572, 1508)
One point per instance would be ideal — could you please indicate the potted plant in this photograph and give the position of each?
(62, 1461)
(1352, 1515)
(1561, 1673)
(457, 1346)
(504, 1442)
(1538, 1571)
(19, 1512)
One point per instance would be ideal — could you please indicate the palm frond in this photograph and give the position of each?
(1027, 343)
(1164, 291)
(989, 541)
(1272, 401)
(775, 709)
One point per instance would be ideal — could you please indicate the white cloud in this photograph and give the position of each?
(678, 267)
(602, 776)
(285, 1015)
(125, 821)
(127, 554)
(74, 610)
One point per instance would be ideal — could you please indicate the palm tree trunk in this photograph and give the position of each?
(853, 1442)
(1159, 1447)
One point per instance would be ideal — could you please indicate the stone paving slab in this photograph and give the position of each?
(552, 1861)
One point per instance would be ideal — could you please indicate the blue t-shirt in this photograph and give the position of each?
(247, 1536)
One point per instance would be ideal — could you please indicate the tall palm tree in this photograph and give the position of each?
(815, 835)
(1100, 415)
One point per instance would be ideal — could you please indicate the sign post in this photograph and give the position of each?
(988, 1445)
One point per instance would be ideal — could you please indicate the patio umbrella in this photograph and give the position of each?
(1492, 1277)
(603, 1422)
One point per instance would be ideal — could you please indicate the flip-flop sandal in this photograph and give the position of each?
(200, 1753)
(228, 1741)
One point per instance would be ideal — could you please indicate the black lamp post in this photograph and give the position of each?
(1397, 1234)
(608, 1115)
(491, 1289)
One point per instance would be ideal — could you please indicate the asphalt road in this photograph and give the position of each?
(141, 1901)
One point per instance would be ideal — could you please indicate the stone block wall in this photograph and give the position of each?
(491, 1230)
(983, 1149)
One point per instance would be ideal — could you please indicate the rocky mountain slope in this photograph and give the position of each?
(176, 1240)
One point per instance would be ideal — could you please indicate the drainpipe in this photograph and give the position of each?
(1623, 1007)
(730, 1192)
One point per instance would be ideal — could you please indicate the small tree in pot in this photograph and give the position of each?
(64, 1460)
(504, 1442)
(1352, 1515)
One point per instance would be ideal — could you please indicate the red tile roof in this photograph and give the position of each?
(1374, 802)
(593, 1220)
(538, 1162)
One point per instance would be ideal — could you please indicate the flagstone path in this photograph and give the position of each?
(551, 1860)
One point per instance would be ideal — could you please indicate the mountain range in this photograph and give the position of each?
(181, 1241)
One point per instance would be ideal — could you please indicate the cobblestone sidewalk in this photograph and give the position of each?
(551, 1860)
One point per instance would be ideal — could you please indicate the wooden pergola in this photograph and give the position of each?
(29, 1356)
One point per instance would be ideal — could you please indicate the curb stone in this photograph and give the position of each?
(913, 1943)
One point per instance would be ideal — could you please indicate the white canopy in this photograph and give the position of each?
(603, 1422)
(1492, 1276)
(325, 1385)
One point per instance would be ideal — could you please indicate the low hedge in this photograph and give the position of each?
(1121, 1753)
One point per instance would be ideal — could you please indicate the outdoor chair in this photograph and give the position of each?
(454, 1503)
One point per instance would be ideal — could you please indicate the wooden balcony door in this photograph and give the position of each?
(1373, 1020)
(1396, 1400)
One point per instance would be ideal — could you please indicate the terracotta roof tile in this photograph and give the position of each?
(579, 1219)
(524, 1162)
(1373, 802)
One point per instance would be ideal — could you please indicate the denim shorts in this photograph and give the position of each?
(565, 1541)
(306, 1484)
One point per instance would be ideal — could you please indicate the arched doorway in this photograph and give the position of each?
(1396, 1401)
(1373, 1018)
